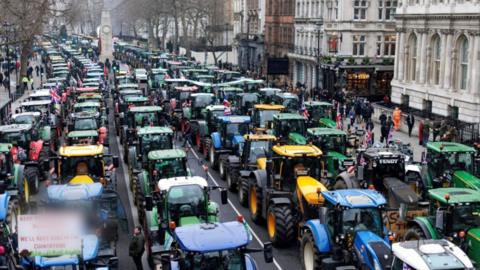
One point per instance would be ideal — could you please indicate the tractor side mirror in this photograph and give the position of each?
(116, 161)
(402, 211)
(224, 196)
(439, 219)
(268, 252)
(148, 203)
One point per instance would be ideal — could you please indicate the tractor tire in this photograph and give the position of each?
(280, 225)
(212, 157)
(44, 155)
(309, 255)
(206, 146)
(243, 192)
(414, 233)
(32, 174)
(255, 204)
(232, 186)
(222, 166)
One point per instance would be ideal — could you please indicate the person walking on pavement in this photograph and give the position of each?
(410, 123)
(397, 117)
(426, 132)
(420, 132)
(385, 129)
(1, 79)
(137, 247)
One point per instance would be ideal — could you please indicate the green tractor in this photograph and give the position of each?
(289, 100)
(450, 164)
(290, 128)
(13, 179)
(198, 109)
(147, 139)
(137, 117)
(177, 202)
(455, 215)
(320, 114)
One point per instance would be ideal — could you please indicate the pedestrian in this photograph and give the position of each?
(137, 247)
(383, 118)
(41, 71)
(435, 130)
(410, 123)
(358, 110)
(397, 117)
(187, 133)
(1, 78)
(426, 132)
(351, 116)
(420, 132)
(37, 70)
(31, 83)
(369, 127)
(29, 72)
(25, 83)
(384, 130)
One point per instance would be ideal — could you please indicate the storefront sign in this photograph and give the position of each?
(50, 234)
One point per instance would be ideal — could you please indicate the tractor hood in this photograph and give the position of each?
(262, 163)
(336, 155)
(377, 249)
(297, 138)
(307, 188)
(473, 241)
(327, 122)
(81, 179)
(465, 179)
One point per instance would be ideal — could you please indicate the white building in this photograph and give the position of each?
(437, 67)
(357, 44)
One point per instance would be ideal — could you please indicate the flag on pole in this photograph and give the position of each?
(390, 135)
(226, 103)
(303, 109)
(54, 96)
(369, 136)
(339, 117)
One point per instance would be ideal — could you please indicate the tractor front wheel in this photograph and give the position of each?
(232, 186)
(206, 147)
(414, 233)
(212, 157)
(309, 255)
(222, 166)
(255, 204)
(32, 174)
(243, 191)
(280, 225)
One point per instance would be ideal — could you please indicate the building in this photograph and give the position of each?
(357, 45)
(279, 31)
(437, 67)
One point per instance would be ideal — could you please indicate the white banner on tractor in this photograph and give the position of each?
(50, 234)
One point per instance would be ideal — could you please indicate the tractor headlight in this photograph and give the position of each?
(374, 164)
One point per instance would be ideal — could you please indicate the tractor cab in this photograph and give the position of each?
(289, 100)
(90, 97)
(142, 116)
(31, 118)
(199, 103)
(92, 107)
(82, 137)
(124, 79)
(320, 114)
(263, 115)
(228, 93)
(205, 78)
(148, 139)
(171, 84)
(349, 231)
(290, 127)
(228, 76)
(40, 95)
(245, 102)
(451, 164)
(166, 163)
(11, 177)
(42, 106)
(85, 121)
(267, 94)
(156, 78)
(126, 86)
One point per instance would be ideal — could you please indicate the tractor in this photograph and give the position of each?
(177, 202)
(228, 137)
(137, 117)
(290, 128)
(156, 79)
(266, 94)
(14, 183)
(147, 139)
(82, 137)
(197, 110)
(28, 149)
(197, 250)
(263, 114)
(320, 114)
(289, 100)
(348, 231)
(84, 164)
(285, 193)
(246, 102)
(203, 127)
(38, 122)
(8, 223)
(454, 215)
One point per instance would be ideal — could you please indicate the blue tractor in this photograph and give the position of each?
(228, 137)
(8, 221)
(211, 246)
(349, 234)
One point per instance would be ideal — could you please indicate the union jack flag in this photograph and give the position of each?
(54, 96)
(226, 103)
(227, 111)
(303, 109)
(339, 117)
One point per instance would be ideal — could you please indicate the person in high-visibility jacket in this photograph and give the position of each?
(397, 117)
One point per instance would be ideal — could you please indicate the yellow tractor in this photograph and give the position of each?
(287, 193)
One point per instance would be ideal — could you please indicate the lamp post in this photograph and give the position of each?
(226, 41)
(319, 33)
(6, 26)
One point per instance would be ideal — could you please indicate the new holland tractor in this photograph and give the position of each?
(145, 140)
(455, 215)
(177, 202)
(290, 128)
(349, 231)
(285, 193)
(205, 125)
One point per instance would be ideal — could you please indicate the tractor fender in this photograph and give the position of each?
(4, 200)
(280, 201)
(260, 177)
(350, 181)
(426, 227)
(143, 179)
(320, 235)
(216, 140)
(18, 171)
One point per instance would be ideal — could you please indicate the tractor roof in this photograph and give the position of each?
(154, 130)
(83, 115)
(259, 137)
(87, 104)
(325, 131)
(297, 150)
(234, 119)
(456, 195)
(90, 95)
(40, 93)
(166, 154)
(287, 95)
(269, 107)
(81, 150)
(268, 89)
(216, 108)
(186, 88)
(201, 95)
(318, 104)
(167, 183)
(36, 103)
(231, 89)
(82, 133)
(5, 147)
(446, 147)
(34, 114)
(382, 152)
(354, 198)
(74, 192)
(211, 237)
(145, 109)
(136, 99)
(86, 89)
(158, 70)
(288, 116)
(127, 85)
(15, 128)
(130, 92)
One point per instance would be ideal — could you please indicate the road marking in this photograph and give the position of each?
(238, 212)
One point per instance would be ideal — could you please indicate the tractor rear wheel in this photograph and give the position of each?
(243, 191)
(44, 155)
(280, 225)
(230, 184)
(206, 146)
(255, 203)
(309, 255)
(32, 174)
(414, 233)
(212, 157)
(222, 166)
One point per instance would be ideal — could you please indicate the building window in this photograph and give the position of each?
(462, 63)
(379, 45)
(386, 9)
(435, 60)
(358, 45)
(412, 58)
(389, 45)
(360, 9)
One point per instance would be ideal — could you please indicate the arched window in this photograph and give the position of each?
(461, 65)
(435, 60)
(412, 57)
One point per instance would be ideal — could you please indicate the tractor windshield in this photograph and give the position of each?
(85, 124)
(265, 116)
(171, 168)
(202, 101)
(156, 142)
(335, 143)
(236, 129)
(75, 166)
(362, 219)
(24, 119)
(249, 99)
(317, 112)
(291, 104)
(438, 162)
(291, 126)
(465, 216)
(258, 150)
(143, 119)
(11, 137)
(186, 201)
(221, 260)
(93, 109)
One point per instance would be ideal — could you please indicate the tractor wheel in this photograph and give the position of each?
(243, 191)
(44, 155)
(32, 174)
(230, 184)
(255, 204)
(309, 255)
(414, 233)
(280, 225)
(222, 166)
(212, 157)
(198, 141)
(339, 184)
(206, 146)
